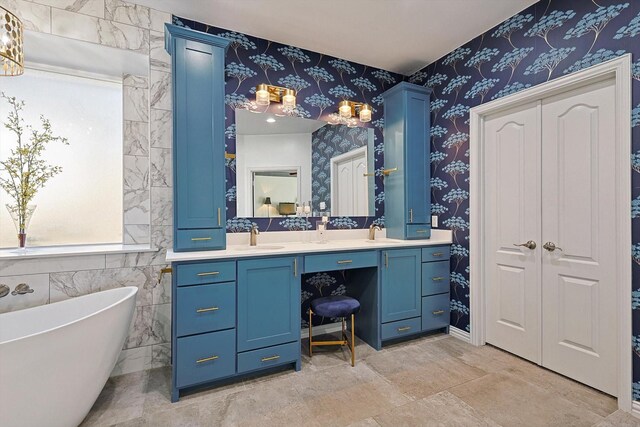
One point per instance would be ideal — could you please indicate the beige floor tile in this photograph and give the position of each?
(619, 419)
(311, 384)
(121, 400)
(580, 394)
(442, 409)
(511, 401)
(434, 377)
(368, 422)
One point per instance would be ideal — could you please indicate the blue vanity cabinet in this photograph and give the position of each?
(198, 138)
(436, 287)
(406, 147)
(268, 304)
(401, 286)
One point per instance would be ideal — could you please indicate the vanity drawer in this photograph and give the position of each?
(205, 272)
(400, 328)
(200, 239)
(340, 261)
(418, 231)
(269, 356)
(435, 312)
(205, 308)
(435, 277)
(436, 253)
(205, 357)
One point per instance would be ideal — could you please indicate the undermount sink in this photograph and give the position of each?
(257, 248)
(380, 240)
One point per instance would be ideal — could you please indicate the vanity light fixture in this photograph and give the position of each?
(11, 43)
(266, 94)
(348, 111)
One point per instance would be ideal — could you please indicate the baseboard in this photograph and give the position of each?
(321, 329)
(635, 408)
(460, 334)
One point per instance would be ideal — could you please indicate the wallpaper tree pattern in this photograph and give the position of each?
(321, 82)
(327, 143)
(548, 40)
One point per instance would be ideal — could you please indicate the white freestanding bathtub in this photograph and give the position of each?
(55, 359)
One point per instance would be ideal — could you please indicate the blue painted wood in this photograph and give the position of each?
(221, 345)
(401, 284)
(435, 312)
(406, 146)
(435, 277)
(267, 357)
(198, 135)
(340, 261)
(436, 253)
(198, 273)
(201, 239)
(206, 308)
(418, 231)
(401, 328)
(268, 302)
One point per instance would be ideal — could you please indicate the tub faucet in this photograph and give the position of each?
(21, 289)
(4, 290)
(253, 241)
(372, 231)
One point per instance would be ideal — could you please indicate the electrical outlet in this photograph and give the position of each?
(434, 221)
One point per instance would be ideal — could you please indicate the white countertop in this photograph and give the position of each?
(306, 242)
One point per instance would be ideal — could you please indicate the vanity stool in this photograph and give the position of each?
(335, 306)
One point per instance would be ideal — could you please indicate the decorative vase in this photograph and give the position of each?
(21, 216)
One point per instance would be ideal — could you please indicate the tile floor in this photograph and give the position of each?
(431, 381)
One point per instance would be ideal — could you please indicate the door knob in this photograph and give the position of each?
(550, 246)
(529, 245)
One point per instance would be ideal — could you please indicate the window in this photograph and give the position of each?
(83, 204)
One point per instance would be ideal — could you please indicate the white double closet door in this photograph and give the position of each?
(550, 179)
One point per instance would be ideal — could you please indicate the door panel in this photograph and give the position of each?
(579, 281)
(512, 153)
(401, 284)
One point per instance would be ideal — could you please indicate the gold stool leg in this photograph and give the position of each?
(353, 340)
(310, 333)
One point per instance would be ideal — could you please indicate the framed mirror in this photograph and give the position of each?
(283, 162)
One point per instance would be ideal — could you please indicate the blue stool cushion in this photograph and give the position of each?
(335, 306)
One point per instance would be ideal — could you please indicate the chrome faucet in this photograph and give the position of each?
(254, 236)
(372, 231)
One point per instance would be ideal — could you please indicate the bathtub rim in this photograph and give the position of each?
(132, 291)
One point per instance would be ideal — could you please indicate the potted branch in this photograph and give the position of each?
(25, 171)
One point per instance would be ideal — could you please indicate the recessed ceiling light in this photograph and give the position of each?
(271, 120)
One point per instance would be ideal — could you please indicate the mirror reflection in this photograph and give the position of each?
(288, 162)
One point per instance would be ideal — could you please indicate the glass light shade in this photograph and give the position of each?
(365, 113)
(262, 95)
(345, 109)
(289, 98)
(11, 43)
(352, 123)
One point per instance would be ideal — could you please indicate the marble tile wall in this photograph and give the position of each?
(147, 177)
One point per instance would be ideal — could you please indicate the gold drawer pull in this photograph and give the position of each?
(438, 312)
(205, 310)
(209, 273)
(345, 261)
(437, 254)
(207, 359)
(437, 279)
(410, 215)
(200, 239)
(267, 359)
(405, 328)
(422, 231)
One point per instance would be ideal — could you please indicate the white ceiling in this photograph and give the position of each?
(249, 123)
(395, 35)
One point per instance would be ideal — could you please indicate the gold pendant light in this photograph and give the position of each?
(11, 43)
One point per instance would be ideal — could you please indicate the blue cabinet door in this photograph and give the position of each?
(401, 284)
(198, 138)
(268, 302)
(406, 147)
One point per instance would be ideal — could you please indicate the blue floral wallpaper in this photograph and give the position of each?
(327, 143)
(550, 39)
(321, 82)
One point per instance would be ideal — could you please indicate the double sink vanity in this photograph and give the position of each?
(236, 308)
